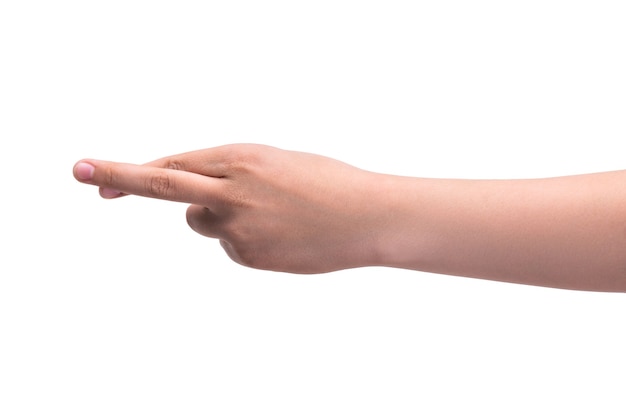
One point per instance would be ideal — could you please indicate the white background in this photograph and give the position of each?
(118, 309)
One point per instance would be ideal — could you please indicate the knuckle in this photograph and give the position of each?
(108, 176)
(175, 164)
(244, 158)
(243, 248)
(248, 257)
(159, 185)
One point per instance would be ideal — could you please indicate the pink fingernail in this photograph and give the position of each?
(84, 171)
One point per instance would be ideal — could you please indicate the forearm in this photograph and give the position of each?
(567, 232)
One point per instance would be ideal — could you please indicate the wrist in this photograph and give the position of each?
(395, 235)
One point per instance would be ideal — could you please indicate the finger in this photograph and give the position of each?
(230, 251)
(204, 221)
(111, 193)
(214, 162)
(116, 179)
(205, 162)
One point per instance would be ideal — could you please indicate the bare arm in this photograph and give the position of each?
(289, 211)
(567, 232)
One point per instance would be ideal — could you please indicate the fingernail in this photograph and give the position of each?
(84, 171)
(109, 193)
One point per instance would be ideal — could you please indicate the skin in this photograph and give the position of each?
(303, 213)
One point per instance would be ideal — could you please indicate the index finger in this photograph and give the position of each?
(149, 181)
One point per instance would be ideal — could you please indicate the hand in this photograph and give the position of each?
(270, 208)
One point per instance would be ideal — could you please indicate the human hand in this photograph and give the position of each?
(270, 208)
